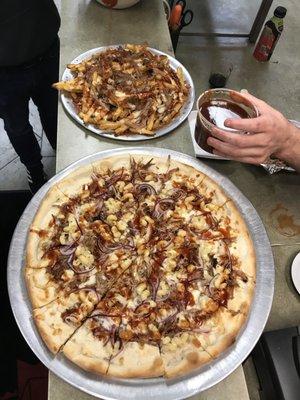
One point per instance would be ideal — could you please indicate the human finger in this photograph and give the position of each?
(254, 125)
(237, 139)
(246, 160)
(233, 151)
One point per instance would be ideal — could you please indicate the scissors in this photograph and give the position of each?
(187, 16)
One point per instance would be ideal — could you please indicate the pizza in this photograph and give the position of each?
(126, 90)
(139, 267)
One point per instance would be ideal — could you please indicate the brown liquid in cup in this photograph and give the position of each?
(216, 112)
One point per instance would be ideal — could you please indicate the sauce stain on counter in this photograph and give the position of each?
(283, 221)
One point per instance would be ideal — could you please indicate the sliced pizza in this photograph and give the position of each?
(139, 267)
(58, 320)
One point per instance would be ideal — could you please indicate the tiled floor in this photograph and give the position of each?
(12, 172)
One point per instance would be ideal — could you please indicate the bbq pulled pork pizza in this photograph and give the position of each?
(126, 90)
(139, 267)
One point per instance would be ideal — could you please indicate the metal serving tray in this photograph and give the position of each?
(183, 113)
(147, 389)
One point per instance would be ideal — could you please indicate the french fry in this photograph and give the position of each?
(107, 125)
(69, 86)
(180, 76)
(142, 131)
(121, 129)
(77, 67)
(150, 122)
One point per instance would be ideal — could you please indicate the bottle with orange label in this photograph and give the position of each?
(270, 35)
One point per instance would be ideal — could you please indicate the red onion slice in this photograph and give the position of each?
(67, 250)
(81, 271)
(113, 335)
(195, 276)
(202, 330)
(211, 285)
(100, 205)
(116, 176)
(146, 187)
(108, 248)
(121, 348)
(112, 191)
(114, 246)
(97, 313)
(178, 194)
(228, 255)
(76, 269)
(130, 244)
(154, 282)
(71, 319)
(161, 207)
(167, 325)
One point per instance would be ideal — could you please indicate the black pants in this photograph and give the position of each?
(17, 86)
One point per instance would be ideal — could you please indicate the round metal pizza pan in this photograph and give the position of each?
(183, 114)
(147, 389)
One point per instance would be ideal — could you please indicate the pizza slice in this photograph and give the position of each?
(183, 182)
(147, 315)
(131, 345)
(241, 262)
(102, 345)
(182, 353)
(139, 354)
(79, 250)
(84, 268)
(220, 331)
(60, 220)
(58, 320)
(95, 342)
(195, 337)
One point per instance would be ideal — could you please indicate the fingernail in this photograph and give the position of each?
(227, 123)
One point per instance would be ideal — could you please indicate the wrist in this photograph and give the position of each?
(285, 153)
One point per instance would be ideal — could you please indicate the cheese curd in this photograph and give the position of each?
(83, 257)
(112, 205)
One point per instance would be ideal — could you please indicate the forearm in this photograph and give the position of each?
(291, 151)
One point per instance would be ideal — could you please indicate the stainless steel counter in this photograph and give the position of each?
(85, 25)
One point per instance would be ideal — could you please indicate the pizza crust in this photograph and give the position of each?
(48, 207)
(73, 183)
(183, 354)
(137, 361)
(54, 331)
(213, 190)
(220, 331)
(242, 247)
(242, 298)
(42, 290)
(86, 351)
